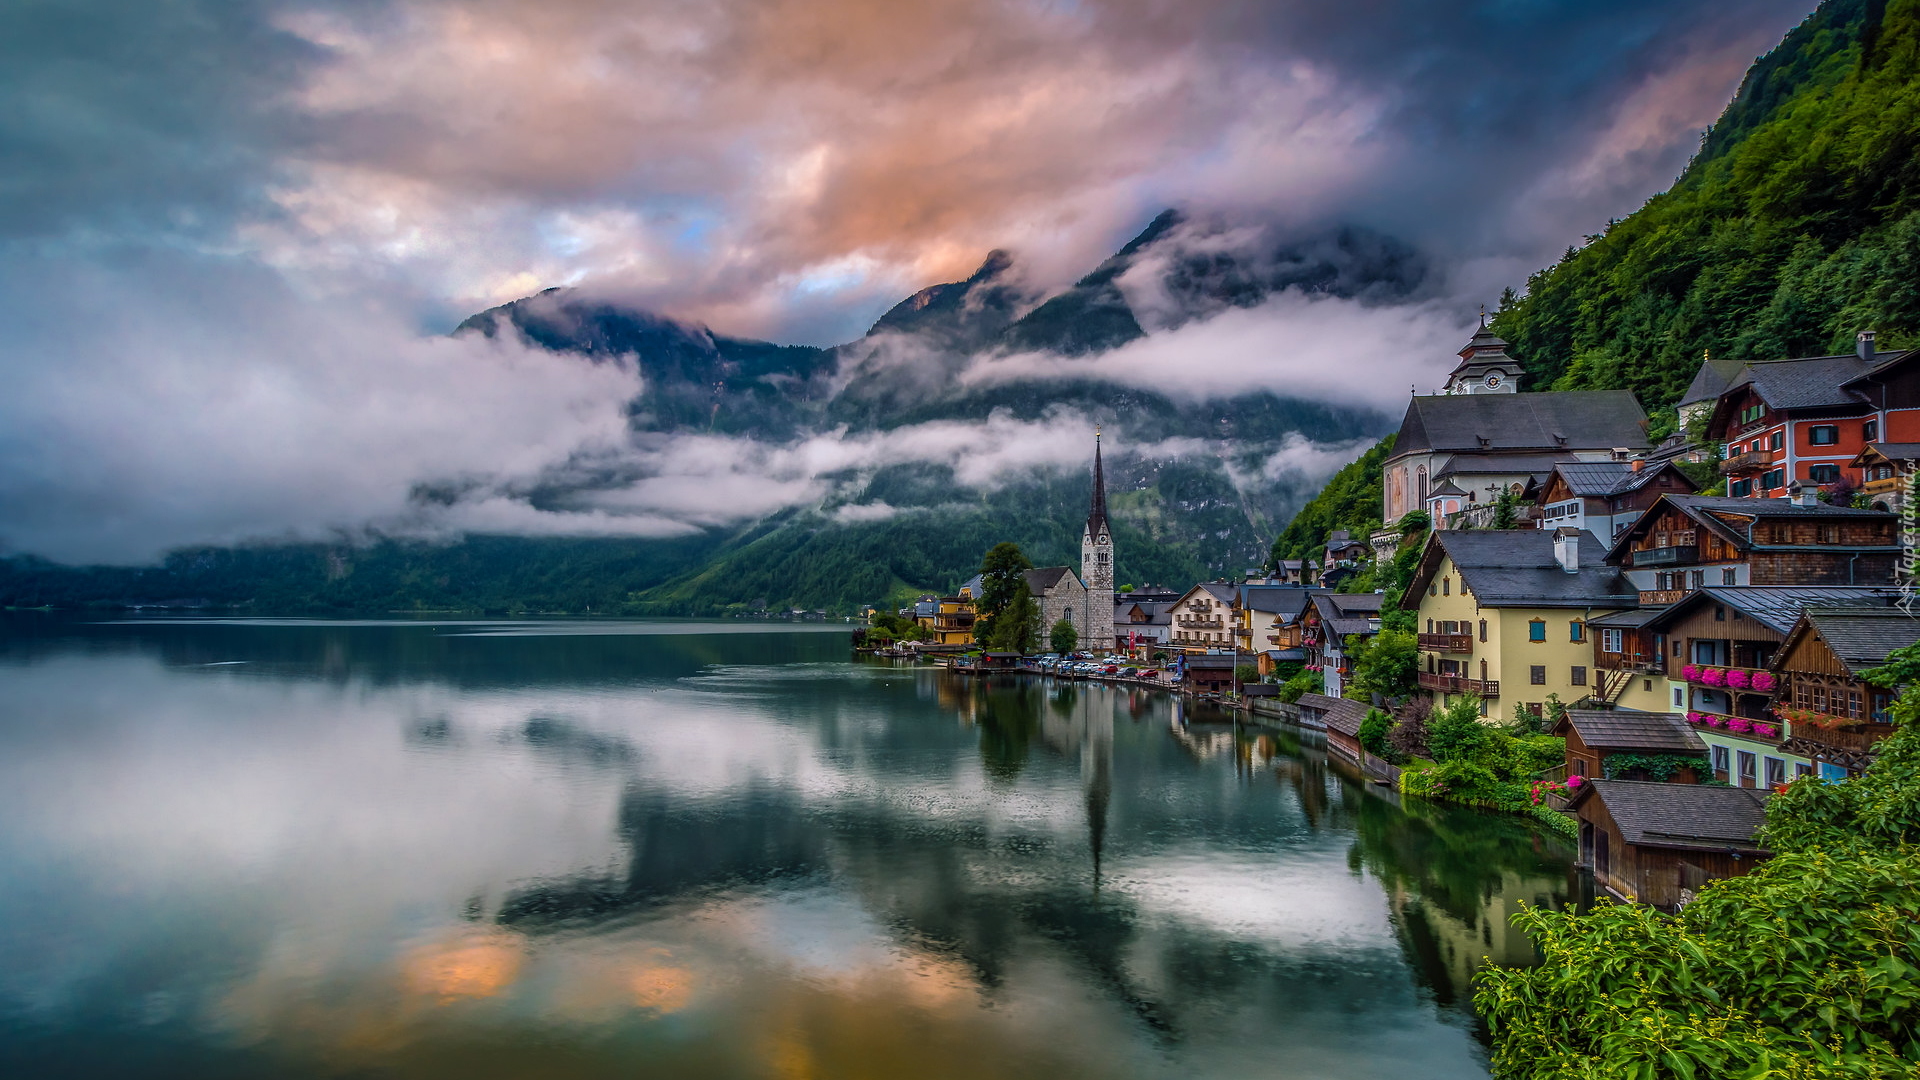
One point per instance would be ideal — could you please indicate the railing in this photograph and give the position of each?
(1737, 679)
(1843, 740)
(1751, 461)
(1453, 643)
(1673, 555)
(1745, 727)
(1459, 684)
(1662, 597)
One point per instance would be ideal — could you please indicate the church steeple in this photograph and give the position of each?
(1485, 367)
(1097, 516)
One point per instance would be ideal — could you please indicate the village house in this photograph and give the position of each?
(1628, 738)
(1834, 716)
(1257, 609)
(1685, 542)
(1806, 420)
(1142, 624)
(1342, 719)
(1482, 437)
(948, 618)
(1329, 619)
(1713, 649)
(1341, 559)
(1884, 469)
(1203, 617)
(1659, 843)
(1503, 615)
(1604, 497)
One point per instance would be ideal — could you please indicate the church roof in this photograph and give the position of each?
(1559, 421)
(1712, 379)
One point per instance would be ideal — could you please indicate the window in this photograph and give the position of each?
(1612, 641)
(1720, 761)
(1537, 675)
(1537, 630)
(1576, 631)
(1823, 474)
(1823, 434)
(1776, 440)
(1827, 534)
(1730, 576)
(1776, 772)
(1740, 489)
(1773, 478)
(1576, 767)
(1870, 431)
(1800, 769)
(1429, 626)
(1483, 629)
(1749, 768)
(1446, 586)
(1579, 676)
(1719, 613)
(1679, 697)
(1699, 578)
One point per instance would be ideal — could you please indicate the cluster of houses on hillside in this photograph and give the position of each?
(1730, 628)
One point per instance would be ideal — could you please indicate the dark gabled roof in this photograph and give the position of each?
(972, 586)
(1212, 662)
(1348, 613)
(1884, 362)
(1604, 479)
(1587, 419)
(1446, 488)
(1681, 815)
(1777, 607)
(1278, 599)
(1517, 568)
(1282, 655)
(1712, 380)
(1862, 637)
(1812, 382)
(1892, 451)
(1158, 613)
(1539, 463)
(1624, 729)
(1626, 620)
(1042, 578)
(1341, 714)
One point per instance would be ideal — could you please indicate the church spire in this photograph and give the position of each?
(1097, 516)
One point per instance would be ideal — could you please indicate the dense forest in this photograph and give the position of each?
(1796, 226)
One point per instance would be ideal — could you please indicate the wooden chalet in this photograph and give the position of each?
(1342, 718)
(1883, 468)
(1658, 843)
(1604, 497)
(1686, 542)
(1594, 735)
(1209, 672)
(1834, 716)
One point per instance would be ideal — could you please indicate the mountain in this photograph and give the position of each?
(1204, 505)
(1795, 226)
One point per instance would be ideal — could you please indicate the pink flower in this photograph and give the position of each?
(1740, 725)
(1763, 680)
(1694, 718)
(1712, 720)
(1573, 781)
(1737, 679)
(1690, 673)
(1765, 731)
(1713, 677)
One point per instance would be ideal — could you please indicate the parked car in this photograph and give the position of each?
(1128, 673)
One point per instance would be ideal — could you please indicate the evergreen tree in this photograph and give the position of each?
(1063, 638)
(1002, 577)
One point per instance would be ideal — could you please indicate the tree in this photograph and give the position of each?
(1374, 732)
(1002, 575)
(1017, 628)
(1063, 638)
(1506, 510)
(1386, 664)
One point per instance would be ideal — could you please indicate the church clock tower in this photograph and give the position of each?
(1096, 565)
(1485, 367)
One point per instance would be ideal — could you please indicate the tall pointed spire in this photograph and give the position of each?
(1097, 516)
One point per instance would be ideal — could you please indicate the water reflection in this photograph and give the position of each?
(399, 849)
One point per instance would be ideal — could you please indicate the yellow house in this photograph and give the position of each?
(949, 618)
(1503, 614)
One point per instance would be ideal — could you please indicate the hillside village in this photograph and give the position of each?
(1680, 627)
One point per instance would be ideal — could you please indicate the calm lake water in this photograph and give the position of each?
(260, 848)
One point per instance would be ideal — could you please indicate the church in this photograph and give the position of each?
(1096, 565)
(1458, 450)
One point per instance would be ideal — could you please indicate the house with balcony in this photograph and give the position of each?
(1503, 614)
(1833, 715)
(1804, 420)
(1603, 497)
(1455, 451)
(1341, 559)
(1686, 542)
(1718, 644)
(1884, 470)
(1260, 609)
(1142, 624)
(1659, 843)
(1326, 624)
(948, 618)
(1203, 618)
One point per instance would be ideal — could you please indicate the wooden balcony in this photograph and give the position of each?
(1860, 738)
(1459, 684)
(1672, 555)
(1662, 597)
(1447, 643)
(1749, 462)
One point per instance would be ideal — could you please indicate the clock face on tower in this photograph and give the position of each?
(1493, 381)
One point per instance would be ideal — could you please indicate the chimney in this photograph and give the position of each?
(1566, 548)
(1863, 344)
(1803, 494)
(1639, 463)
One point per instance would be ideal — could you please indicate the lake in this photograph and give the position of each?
(558, 849)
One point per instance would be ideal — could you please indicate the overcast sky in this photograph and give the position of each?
(231, 232)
